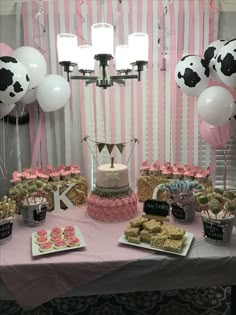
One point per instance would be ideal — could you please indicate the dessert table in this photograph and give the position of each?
(104, 265)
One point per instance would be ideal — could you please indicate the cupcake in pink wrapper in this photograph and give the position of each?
(30, 177)
(167, 173)
(189, 175)
(200, 176)
(15, 180)
(178, 173)
(144, 169)
(55, 176)
(195, 169)
(24, 175)
(16, 174)
(75, 173)
(42, 176)
(66, 175)
(154, 170)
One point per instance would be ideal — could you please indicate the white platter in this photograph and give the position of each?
(35, 246)
(186, 246)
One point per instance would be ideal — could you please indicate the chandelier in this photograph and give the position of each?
(133, 56)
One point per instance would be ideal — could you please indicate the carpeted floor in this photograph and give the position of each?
(205, 301)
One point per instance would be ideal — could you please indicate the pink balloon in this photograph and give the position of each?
(5, 50)
(217, 136)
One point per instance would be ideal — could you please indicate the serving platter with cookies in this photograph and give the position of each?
(156, 235)
(56, 240)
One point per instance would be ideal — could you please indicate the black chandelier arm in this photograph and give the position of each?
(119, 81)
(84, 77)
(123, 77)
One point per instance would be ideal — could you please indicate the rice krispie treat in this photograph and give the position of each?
(134, 239)
(145, 236)
(131, 231)
(138, 221)
(176, 233)
(173, 245)
(158, 241)
(152, 226)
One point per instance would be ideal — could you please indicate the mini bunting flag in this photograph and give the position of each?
(100, 146)
(120, 147)
(110, 147)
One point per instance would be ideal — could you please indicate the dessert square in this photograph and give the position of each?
(138, 221)
(158, 241)
(131, 231)
(145, 236)
(152, 226)
(176, 233)
(134, 239)
(173, 245)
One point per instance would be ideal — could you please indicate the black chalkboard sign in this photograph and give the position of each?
(213, 230)
(40, 216)
(5, 230)
(177, 211)
(156, 207)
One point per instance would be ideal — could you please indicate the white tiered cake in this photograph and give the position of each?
(112, 199)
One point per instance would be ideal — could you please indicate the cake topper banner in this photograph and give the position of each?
(109, 146)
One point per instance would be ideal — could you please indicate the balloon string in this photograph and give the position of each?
(225, 169)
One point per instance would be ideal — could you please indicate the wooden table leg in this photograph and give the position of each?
(233, 299)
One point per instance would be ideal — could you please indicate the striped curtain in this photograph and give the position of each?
(154, 110)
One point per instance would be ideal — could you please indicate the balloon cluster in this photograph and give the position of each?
(215, 104)
(24, 79)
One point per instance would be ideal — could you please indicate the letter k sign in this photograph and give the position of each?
(62, 197)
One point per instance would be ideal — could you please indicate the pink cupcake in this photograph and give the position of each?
(154, 170)
(144, 169)
(55, 176)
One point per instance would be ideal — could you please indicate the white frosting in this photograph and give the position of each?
(112, 178)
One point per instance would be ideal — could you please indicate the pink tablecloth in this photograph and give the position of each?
(35, 280)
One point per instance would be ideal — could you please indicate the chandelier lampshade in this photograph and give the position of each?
(122, 59)
(102, 39)
(66, 47)
(86, 61)
(138, 45)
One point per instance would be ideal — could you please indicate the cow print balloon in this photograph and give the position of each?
(210, 55)
(226, 63)
(14, 80)
(192, 75)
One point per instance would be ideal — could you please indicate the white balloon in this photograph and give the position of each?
(5, 109)
(216, 105)
(226, 64)
(210, 55)
(53, 92)
(14, 80)
(34, 62)
(29, 97)
(192, 75)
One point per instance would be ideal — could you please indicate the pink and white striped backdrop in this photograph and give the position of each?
(155, 111)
